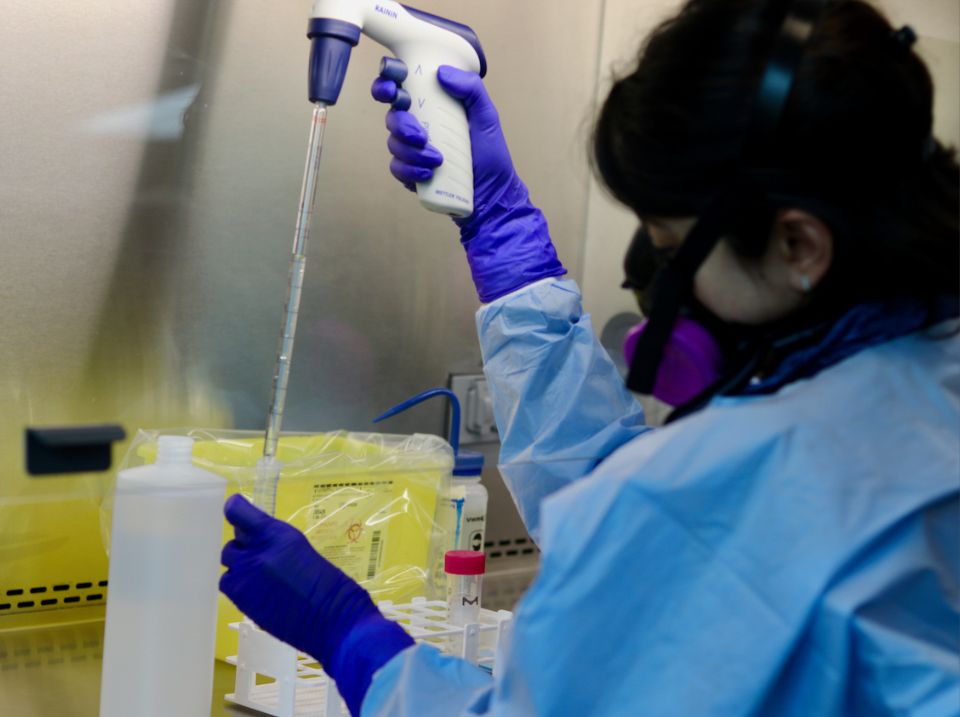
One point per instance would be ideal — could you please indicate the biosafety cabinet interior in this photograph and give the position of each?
(151, 163)
(151, 156)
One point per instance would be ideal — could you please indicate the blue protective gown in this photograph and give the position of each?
(795, 553)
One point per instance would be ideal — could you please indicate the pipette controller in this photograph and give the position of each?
(423, 42)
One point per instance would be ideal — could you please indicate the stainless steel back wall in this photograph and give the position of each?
(150, 161)
(388, 305)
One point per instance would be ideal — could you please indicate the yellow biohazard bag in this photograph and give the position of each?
(368, 502)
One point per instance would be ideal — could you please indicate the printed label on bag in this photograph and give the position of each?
(340, 527)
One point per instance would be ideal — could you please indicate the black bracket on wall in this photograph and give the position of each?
(77, 449)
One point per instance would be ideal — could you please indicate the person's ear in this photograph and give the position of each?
(805, 244)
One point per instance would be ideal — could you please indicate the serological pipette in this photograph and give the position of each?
(268, 467)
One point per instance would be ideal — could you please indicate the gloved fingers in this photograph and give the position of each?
(388, 91)
(427, 156)
(228, 585)
(465, 86)
(409, 174)
(246, 518)
(384, 90)
(405, 127)
(231, 554)
(469, 89)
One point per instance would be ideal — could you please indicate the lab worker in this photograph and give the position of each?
(788, 543)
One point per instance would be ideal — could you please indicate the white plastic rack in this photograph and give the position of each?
(294, 685)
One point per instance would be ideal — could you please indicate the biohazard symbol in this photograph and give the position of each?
(354, 532)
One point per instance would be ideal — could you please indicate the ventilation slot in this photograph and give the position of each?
(508, 548)
(39, 597)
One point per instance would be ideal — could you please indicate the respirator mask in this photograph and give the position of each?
(682, 349)
(700, 346)
(683, 354)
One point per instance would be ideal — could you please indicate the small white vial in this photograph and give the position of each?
(464, 569)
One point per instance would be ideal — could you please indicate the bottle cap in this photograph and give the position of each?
(174, 448)
(464, 562)
(468, 464)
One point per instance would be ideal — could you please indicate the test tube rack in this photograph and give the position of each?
(294, 684)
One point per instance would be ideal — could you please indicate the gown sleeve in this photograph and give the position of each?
(561, 406)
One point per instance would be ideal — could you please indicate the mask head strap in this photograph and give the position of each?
(778, 79)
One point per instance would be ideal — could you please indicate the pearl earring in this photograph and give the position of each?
(805, 284)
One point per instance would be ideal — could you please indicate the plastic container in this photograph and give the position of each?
(464, 570)
(164, 566)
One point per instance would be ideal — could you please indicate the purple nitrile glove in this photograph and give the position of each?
(280, 582)
(506, 238)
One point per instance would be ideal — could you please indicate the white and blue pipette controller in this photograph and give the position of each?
(423, 42)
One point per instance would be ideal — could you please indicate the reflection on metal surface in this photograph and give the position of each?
(51, 648)
(52, 670)
(158, 119)
(92, 279)
(55, 670)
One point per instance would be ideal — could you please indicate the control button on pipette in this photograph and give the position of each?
(393, 69)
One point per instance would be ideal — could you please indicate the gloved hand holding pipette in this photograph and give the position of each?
(506, 238)
(280, 582)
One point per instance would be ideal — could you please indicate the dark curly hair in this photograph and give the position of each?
(853, 146)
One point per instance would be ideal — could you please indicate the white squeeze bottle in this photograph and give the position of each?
(468, 502)
(164, 568)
